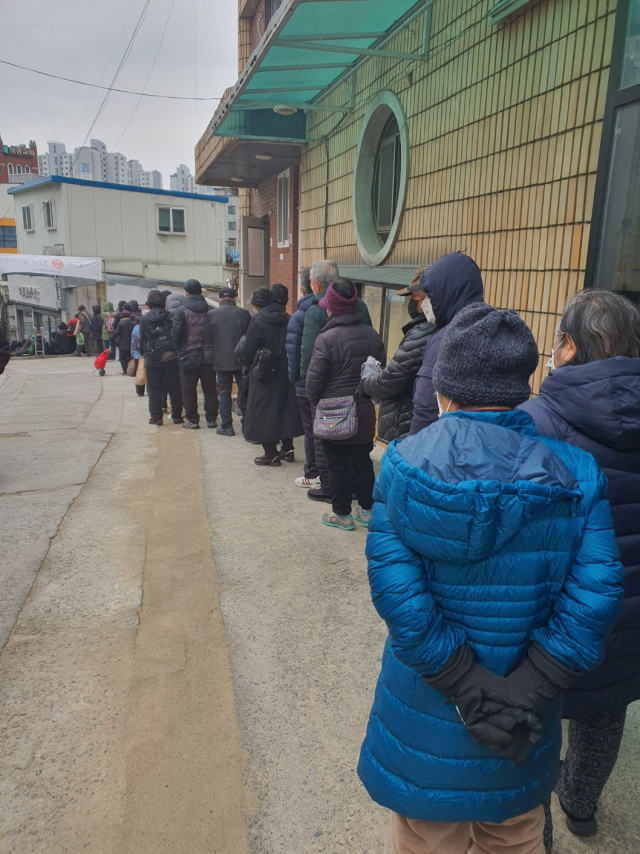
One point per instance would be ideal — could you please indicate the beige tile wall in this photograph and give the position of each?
(505, 127)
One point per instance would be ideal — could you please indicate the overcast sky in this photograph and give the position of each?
(86, 40)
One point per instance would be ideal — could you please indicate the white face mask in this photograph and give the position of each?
(551, 363)
(442, 411)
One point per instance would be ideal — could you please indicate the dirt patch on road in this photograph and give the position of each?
(184, 768)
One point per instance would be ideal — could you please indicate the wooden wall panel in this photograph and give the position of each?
(505, 126)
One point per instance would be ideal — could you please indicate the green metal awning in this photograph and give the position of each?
(309, 47)
(389, 275)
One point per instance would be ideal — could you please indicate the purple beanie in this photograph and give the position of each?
(336, 304)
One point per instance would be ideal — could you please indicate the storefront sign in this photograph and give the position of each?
(29, 293)
(19, 150)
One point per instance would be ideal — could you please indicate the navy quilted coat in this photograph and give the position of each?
(597, 407)
(293, 344)
(483, 532)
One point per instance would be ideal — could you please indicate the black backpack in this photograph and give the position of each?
(159, 335)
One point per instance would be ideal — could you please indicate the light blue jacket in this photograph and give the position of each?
(484, 533)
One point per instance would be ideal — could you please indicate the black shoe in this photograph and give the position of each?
(157, 423)
(583, 827)
(178, 420)
(267, 461)
(288, 456)
(212, 424)
(226, 431)
(189, 425)
(319, 495)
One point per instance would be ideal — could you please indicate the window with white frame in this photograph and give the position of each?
(18, 169)
(231, 210)
(283, 209)
(171, 221)
(27, 169)
(27, 217)
(10, 168)
(232, 225)
(49, 213)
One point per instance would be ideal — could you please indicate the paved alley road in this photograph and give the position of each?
(189, 656)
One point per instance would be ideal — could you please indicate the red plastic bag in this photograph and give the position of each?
(101, 360)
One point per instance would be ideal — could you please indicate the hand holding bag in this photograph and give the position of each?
(336, 418)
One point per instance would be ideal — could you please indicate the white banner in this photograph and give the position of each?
(52, 265)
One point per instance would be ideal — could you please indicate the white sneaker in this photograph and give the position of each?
(307, 483)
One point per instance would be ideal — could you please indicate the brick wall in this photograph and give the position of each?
(283, 262)
(505, 127)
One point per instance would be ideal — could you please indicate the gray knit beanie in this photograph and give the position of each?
(486, 358)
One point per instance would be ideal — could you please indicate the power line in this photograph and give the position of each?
(146, 82)
(107, 88)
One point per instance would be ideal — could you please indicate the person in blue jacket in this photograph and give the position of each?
(452, 283)
(293, 346)
(493, 561)
(591, 399)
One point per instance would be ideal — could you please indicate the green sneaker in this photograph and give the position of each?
(344, 523)
(362, 516)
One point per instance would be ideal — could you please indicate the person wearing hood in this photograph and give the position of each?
(272, 412)
(83, 332)
(493, 561)
(96, 330)
(174, 302)
(393, 385)
(136, 311)
(293, 346)
(322, 274)
(108, 326)
(195, 354)
(160, 360)
(335, 370)
(122, 337)
(591, 399)
(452, 283)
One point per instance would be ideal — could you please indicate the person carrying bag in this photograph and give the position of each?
(344, 419)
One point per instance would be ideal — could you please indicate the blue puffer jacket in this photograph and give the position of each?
(596, 407)
(484, 533)
(293, 343)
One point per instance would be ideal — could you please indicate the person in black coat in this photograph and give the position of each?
(340, 350)
(160, 360)
(122, 336)
(272, 412)
(5, 351)
(96, 330)
(452, 283)
(393, 385)
(591, 399)
(224, 328)
(61, 341)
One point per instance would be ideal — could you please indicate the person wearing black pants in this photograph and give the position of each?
(339, 352)
(189, 384)
(160, 359)
(343, 461)
(164, 379)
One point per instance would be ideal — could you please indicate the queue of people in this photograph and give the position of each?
(503, 529)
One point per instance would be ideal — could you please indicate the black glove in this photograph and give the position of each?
(541, 678)
(469, 685)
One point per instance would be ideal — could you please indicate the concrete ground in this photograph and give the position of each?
(189, 655)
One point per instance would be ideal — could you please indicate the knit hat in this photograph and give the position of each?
(227, 293)
(261, 297)
(193, 286)
(280, 293)
(336, 304)
(124, 313)
(486, 358)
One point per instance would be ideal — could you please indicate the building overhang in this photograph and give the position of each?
(309, 48)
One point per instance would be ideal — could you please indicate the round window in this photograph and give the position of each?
(380, 178)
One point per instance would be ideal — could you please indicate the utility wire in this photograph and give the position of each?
(146, 82)
(107, 88)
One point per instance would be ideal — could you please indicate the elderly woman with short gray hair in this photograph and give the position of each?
(591, 399)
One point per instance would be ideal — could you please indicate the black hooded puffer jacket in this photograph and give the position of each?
(596, 407)
(452, 283)
(393, 386)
